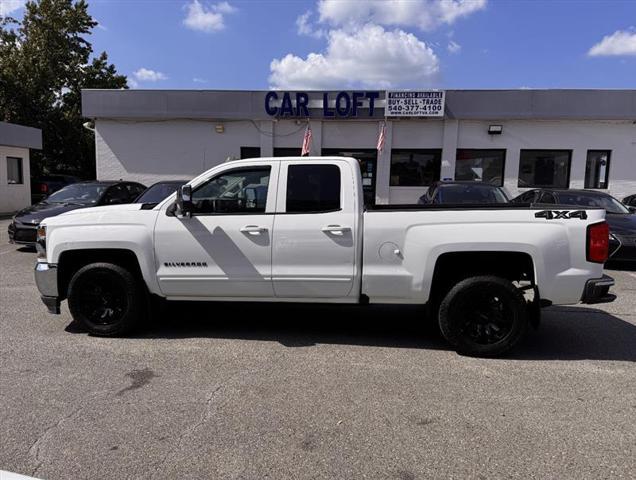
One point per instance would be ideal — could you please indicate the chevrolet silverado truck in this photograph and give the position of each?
(296, 230)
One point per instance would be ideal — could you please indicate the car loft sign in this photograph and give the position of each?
(414, 104)
(427, 103)
(296, 104)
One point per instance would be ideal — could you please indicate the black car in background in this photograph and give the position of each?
(464, 192)
(159, 191)
(42, 187)
(630, 201)
(621, 220)
(78, 195)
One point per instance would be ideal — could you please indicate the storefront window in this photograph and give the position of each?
(415, 168)
(597, 168)
(14, 171)
(480, 165)
(544, 168)
(250, 152)
(287, 152)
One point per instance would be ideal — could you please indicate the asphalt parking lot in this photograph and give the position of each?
(246, 391)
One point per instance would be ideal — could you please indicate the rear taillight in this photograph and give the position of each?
(44, 188)
(598, 242)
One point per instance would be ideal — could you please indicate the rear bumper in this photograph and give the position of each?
(46, 281)
(597, 290)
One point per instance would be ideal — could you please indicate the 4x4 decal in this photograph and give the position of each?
(561, 214)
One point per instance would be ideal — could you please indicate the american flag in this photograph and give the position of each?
(306, 142)
(381, 136)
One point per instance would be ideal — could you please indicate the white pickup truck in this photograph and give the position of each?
(296, 230)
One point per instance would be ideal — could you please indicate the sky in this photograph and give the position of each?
(375, 44)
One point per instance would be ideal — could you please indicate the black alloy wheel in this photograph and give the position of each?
(105, 299)
(483, 316)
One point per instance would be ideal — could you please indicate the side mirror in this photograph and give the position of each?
(184, 201)
(631, 209)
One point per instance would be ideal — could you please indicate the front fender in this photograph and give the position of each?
(135, 238)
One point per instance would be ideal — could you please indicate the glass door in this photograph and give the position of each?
(367, 159)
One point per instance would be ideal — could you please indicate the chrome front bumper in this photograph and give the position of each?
(46, 280)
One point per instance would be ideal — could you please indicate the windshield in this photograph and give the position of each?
(610, 204)
(83, 193)
(158, 192)
(471, 194)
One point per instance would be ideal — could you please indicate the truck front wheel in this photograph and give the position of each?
(105, 299)
(483, 316)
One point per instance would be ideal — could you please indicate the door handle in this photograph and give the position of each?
(253, 229)
(335, 229)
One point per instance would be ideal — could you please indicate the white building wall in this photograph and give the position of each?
(14, 197)
(578, 136)
(154, 150)
(151, 151)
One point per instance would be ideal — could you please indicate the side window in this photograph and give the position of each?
(243, 190)
(134, 190)
(116, 195)
(547, 197)
(527, 197)
(313, 188)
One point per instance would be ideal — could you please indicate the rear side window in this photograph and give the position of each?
(313, 188)
(547, 197)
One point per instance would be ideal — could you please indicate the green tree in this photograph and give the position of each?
(45, 61)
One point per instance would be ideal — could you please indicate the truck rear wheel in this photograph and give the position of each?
(105, 299)
(483, 316)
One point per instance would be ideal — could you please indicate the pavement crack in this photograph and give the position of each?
(191, 428)
(34, 449)
(205, 415)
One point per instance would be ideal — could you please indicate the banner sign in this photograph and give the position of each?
(423, 103)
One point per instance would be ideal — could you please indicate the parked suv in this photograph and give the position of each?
(78, 195)
(621, 220)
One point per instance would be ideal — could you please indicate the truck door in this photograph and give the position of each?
(225, 248)
(314, 247)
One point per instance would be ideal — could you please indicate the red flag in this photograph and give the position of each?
(381, 137)
(306, 142)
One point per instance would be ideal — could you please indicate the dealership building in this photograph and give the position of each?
(404, 140)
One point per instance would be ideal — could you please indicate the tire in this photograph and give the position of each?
(105, 299)
(483, 316)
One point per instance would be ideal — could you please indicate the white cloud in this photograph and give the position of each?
(132, 83)
(370, 56)
(619, 43)
(199, 80)
(424, 14)
(454, 47)
(304, 27)
(147, 75)
(207, 19)
(7, 7)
